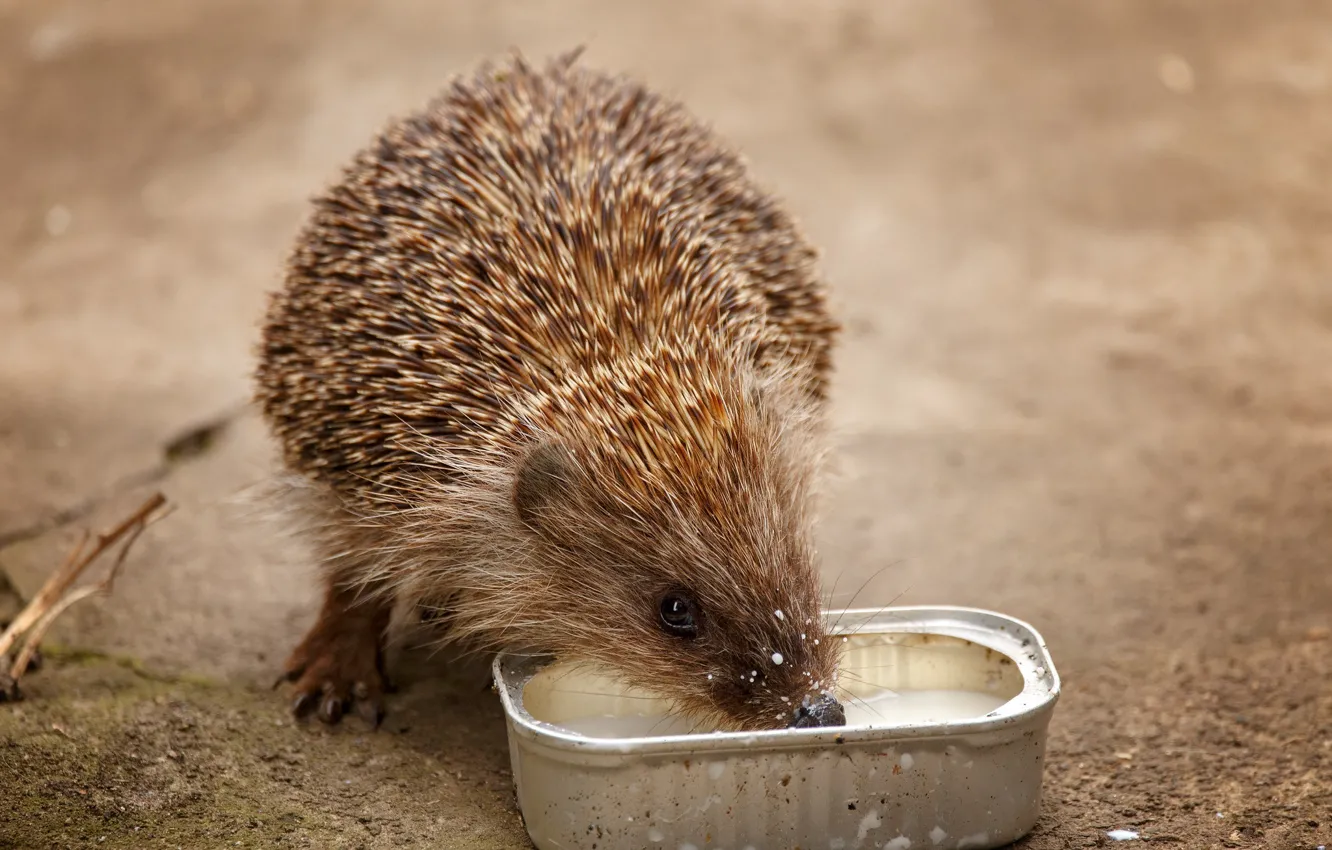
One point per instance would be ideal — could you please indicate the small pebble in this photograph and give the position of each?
(58, 220)
(1176, 74)
(50, 40)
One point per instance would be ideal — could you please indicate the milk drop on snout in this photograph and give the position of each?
(777, 658)
(779, 614)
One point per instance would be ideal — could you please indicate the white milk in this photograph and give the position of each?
(880, 709)
(919, 707)
(629, 726)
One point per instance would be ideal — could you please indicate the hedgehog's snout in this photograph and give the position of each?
(824, 710)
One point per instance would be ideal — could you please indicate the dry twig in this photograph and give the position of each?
(55, 596)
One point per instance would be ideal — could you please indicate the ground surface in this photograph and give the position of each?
(1082, 252)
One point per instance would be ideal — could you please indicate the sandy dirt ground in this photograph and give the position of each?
(1082, 254)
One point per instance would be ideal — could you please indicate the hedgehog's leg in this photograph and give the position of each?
(340, 663)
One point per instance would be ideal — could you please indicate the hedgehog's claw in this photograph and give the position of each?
(300, 707)
(330, 710)
(287, 676)
(370, 711)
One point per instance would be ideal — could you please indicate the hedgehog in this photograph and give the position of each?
(548, 360)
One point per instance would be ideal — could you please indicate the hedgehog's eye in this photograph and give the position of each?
(678, 614)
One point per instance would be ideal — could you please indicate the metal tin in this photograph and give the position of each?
(961, 783)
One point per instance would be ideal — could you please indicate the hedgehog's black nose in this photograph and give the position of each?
(822, 711)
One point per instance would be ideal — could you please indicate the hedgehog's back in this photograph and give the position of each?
(524, 226)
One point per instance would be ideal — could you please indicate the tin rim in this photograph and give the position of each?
(1041, 690)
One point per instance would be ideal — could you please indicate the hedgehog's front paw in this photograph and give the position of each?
(339, 668)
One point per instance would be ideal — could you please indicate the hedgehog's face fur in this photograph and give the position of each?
(675, 546)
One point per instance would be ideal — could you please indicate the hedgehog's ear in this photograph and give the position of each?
(545, 476)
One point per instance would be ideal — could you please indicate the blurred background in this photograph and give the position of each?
(1081, 251)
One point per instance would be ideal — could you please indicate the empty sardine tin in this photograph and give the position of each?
(896, 783)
